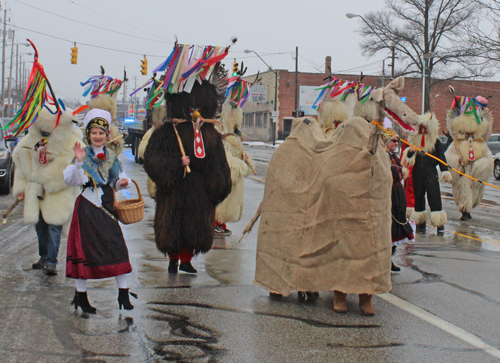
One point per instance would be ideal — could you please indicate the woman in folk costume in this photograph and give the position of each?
(103, 92)
(96, 247)
(401, 230)
(231, 209)
(425, 175)
(185, 201)
(470, 123)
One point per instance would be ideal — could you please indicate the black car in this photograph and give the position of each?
(6, 165)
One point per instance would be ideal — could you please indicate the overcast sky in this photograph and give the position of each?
(319, 28)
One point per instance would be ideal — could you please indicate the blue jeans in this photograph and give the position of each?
(49, 239)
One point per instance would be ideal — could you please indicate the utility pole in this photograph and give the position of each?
(9, 107)
(124, 93)
(3, 58)
(393, 61)
(296, 77)
(17, 72)
(383, 73)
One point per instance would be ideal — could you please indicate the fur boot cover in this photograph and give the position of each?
(439, 218)
(469, 154)
(47, 180)
(108, 103)
(185, 204)
(419, 217)
(231, 209)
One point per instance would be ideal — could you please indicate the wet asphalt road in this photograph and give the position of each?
(443, 307)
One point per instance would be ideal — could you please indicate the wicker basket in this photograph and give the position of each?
(130, 210)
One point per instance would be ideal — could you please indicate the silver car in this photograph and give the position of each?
(494, 143)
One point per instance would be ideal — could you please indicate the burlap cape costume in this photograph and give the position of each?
(326, 213)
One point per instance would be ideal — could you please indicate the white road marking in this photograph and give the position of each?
(441, 324)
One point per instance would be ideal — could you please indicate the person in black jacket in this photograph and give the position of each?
(425, 175)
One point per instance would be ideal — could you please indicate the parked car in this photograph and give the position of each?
(6, 165)
(496, 166)
(494, 143)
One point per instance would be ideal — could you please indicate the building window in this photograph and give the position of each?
(258, 119)
(265, 117)
(248, 118)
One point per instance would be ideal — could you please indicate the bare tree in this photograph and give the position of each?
(485, 33)
(426, 35)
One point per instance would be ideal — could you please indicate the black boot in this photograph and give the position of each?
(440, 230)
(187, 267)
(172, 266)
(394, 268)
(421, 228)
(81, 300)
(123, 299)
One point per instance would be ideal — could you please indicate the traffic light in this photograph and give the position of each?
(144, 66)
(74, 54)
(235, 69)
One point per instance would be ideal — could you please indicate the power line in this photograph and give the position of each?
(94, 26)
(88, 45)
(117, 20)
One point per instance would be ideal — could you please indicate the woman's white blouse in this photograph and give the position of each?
(75, 176)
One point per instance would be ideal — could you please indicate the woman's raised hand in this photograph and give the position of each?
(79, 152)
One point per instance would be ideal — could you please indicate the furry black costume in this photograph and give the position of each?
(185, 205)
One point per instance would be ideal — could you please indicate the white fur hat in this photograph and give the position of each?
(94, 114)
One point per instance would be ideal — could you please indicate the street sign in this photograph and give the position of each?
(275, 113)
(275, 119)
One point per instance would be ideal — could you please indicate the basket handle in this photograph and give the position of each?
(138, 191)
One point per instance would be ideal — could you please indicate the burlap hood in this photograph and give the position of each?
(326, 213)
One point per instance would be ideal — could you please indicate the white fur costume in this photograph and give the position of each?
(231, 209)
(332, 112)
(424, 171)
(468, 133)
(47, 180)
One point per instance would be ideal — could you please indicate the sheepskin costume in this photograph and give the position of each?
(185, 202)
(425, 176)
(108, 103)
(331, 114)
(469, 153)
(231, 209)
(365, 107)
(159, 116)
(43, 184)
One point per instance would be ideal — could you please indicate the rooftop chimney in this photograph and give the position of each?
(328, 64)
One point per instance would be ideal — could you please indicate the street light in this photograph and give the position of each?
(275, 91)
(351, 16)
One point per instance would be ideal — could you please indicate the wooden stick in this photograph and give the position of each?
(181, 147)
(254, 220)
(6, 213)
(115, 139)
(245, 158)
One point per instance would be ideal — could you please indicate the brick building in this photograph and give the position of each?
(257, 112)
